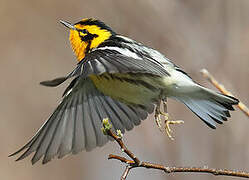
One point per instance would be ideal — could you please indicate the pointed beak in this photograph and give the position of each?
(68, 25)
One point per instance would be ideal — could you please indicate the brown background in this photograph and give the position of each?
(193, 33)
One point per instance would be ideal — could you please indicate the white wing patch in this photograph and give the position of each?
(152, 52)
(125, 52)
(126, 39)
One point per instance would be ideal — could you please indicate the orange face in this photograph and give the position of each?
(87, 35)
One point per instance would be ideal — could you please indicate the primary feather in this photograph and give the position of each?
(76, 123)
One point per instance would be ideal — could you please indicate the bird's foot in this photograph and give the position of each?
(167, 122)
(168, 130)
(165, 115)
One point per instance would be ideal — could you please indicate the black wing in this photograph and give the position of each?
(59, 80)
(76, 123)
(118, 60)
(113, 60)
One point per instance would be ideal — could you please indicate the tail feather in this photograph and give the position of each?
(209, 106)
(216, 108)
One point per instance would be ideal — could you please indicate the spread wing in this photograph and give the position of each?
(113, 60)
(120, 60)
(76, 123)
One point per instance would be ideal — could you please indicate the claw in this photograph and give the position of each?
(168, 129)
(159, 113)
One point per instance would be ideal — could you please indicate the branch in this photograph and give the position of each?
(222, 89)
(136, 163)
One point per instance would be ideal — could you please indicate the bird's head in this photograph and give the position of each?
(86, 35)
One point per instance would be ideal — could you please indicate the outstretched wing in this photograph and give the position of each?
(114, 59)
(120, 60)
(76, 123)
(59, 80)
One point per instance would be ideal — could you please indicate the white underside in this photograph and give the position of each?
(178, 84)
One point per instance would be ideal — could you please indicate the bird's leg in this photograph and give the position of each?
(167, 121)
(165, 108)
(157, 115)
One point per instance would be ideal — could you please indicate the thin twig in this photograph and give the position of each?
(125, 173)
(223, 90)
(182, 169)
(124, 149)
(136, 163)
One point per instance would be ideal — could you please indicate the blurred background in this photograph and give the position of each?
(194, 34)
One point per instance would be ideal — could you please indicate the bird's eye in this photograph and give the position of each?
(84, 31)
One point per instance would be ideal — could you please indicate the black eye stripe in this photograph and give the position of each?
(88, 37)
(84, 31)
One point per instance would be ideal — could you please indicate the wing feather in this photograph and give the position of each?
(120, 115)
(120, 60)
(76, 123)
(114, 60)
(67, 139)
(79, 134)
(129, 113)
(96, 120)
(48, 135)
(87, 124)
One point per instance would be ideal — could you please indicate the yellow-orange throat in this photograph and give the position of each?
(79, 46)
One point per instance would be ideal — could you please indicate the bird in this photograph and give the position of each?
(120, 79)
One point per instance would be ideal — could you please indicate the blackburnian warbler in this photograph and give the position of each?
(120, 79)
